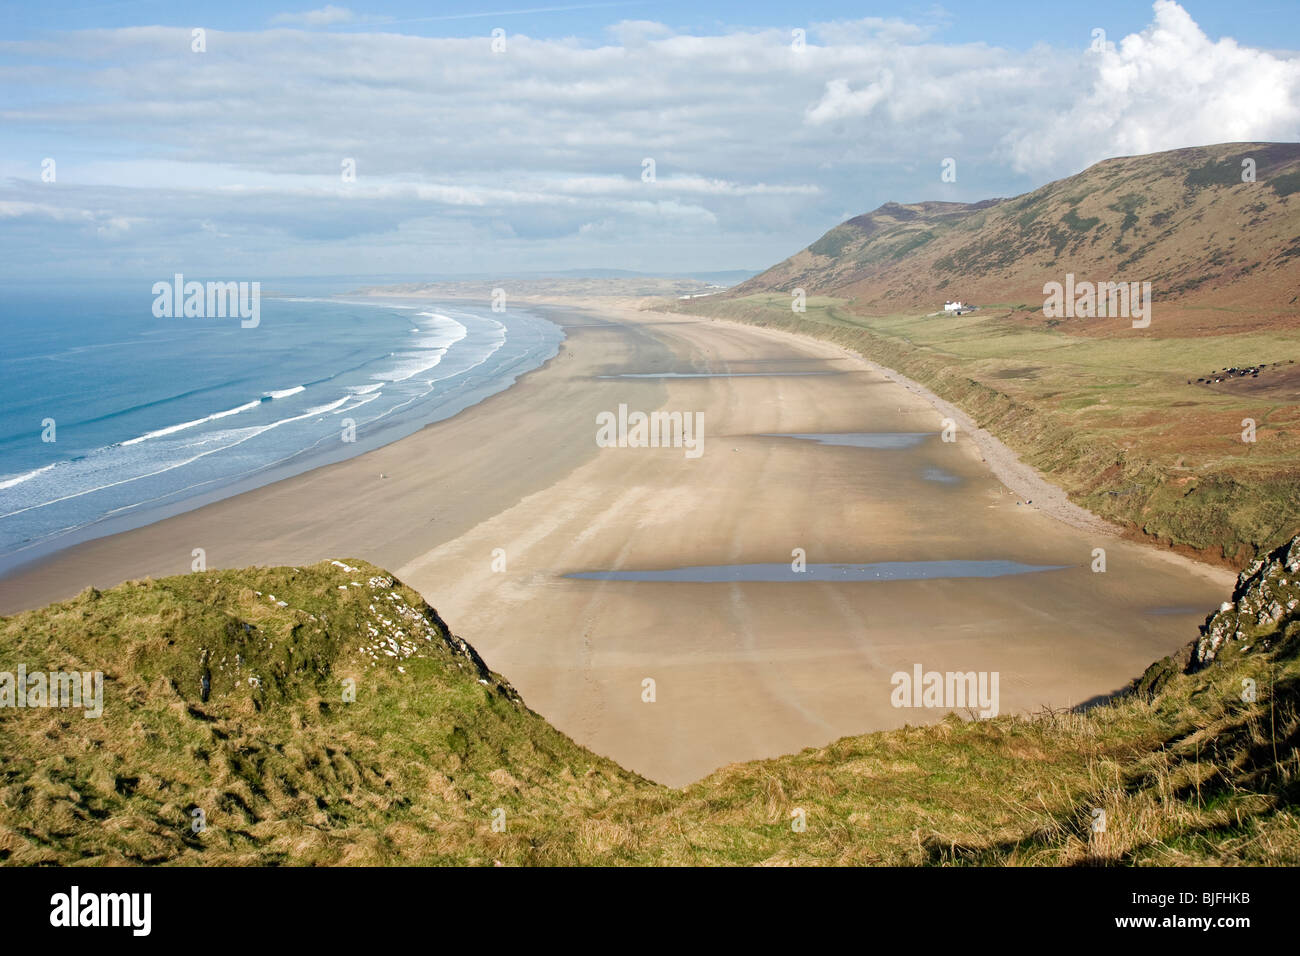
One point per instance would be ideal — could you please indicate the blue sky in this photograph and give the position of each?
(231, 161)
(1014, 24)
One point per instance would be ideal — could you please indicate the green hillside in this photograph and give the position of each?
(438, 761)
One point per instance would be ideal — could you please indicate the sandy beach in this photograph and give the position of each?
(740, 670)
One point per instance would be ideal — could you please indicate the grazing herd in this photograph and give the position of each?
(1226, 374)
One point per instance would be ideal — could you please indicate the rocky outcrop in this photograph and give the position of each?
(1263, 614)
(1265, 605)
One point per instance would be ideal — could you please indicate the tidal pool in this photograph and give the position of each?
(783, 572)
(887, 440)
(934, 473)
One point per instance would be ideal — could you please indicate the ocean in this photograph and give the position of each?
(111, 417)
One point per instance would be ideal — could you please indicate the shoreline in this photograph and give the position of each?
(743, 669)
(302, 461)
(163, 546)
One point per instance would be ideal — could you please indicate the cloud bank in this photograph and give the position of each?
(530, 153)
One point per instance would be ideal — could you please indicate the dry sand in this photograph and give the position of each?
(741, 670)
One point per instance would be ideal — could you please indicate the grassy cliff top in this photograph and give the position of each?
(438, 761)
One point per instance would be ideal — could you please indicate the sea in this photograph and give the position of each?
(112, 417)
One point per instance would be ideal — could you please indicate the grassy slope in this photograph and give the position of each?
(285, 771)
(413, 770)
(1113, 422)
(1182, 220)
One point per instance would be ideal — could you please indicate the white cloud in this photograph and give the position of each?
(95, 222)
(891, 29)
(1167, 87)
(327, 15)
(759, 147)
(839, 102)
(698, 185)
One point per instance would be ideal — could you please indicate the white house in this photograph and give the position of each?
(954, 307)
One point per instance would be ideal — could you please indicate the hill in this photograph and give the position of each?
(282, 769)
(225, 693)
(1183, 220)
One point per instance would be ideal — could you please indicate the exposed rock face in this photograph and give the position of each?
(1265, 602)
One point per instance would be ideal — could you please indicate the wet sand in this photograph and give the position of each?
(741, 669)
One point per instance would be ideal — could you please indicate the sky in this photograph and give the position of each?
(502, 138)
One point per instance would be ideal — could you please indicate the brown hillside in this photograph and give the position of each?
(1222, 255)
